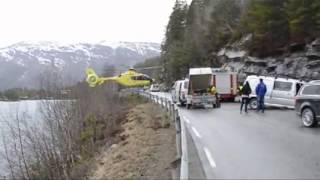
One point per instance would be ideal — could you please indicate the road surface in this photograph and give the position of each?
(254, 145)
(273, 145)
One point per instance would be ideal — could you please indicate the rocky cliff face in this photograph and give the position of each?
(301, 62)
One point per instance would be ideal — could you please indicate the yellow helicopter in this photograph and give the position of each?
(130, 78)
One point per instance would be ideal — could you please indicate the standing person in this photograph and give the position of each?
(245, 92)
(213, 90)
(261, 90)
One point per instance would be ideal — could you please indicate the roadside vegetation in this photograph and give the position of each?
(146, 149)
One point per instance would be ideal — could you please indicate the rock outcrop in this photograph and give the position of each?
(303, 63)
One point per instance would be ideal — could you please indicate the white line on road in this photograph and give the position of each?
(186, 119)
(209, 156)
(196, 132)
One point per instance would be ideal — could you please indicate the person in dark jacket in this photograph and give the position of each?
(261, 91)
(245, 91)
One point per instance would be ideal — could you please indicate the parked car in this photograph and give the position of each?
(281, 92)
(308, 104)
(179, 92)
(155, 88)
(314, 81)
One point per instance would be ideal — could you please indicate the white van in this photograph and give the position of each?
(155, 88)
(280, 91)
(179, 92)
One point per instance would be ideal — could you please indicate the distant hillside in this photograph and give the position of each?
(21, 64)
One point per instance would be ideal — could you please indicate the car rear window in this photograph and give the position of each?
(282, 86)
(311, 90)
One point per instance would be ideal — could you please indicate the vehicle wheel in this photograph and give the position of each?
(214, 105)
(307, 117)
(188, 106)
(253, 103)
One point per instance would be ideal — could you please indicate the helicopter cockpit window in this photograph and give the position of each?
(136, 78)
(146, 77)
(142, 78)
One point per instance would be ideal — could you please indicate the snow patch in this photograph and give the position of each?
(44, 61)
(6, 55)
(59, 63)
(19, 62)
(139, 47)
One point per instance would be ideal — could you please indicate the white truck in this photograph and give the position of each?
(200, 79)
(226, 83)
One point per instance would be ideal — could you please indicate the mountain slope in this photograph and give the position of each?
(22, 64)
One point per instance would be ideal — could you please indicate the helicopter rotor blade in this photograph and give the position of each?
(150, 67)
(137, 68)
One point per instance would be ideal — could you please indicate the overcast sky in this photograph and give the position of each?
(83, 20)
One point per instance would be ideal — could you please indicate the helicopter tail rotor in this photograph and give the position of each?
(92, 78)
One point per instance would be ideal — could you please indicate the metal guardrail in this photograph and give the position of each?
(181, 136)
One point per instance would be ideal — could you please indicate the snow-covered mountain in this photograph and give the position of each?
(21, 64)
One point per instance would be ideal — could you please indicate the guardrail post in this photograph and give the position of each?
(171, 109)
(166, 104)
(178, 137)
(173, 114)
(177, 121)
(163, 103)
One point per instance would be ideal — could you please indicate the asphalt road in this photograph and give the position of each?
(273, 145)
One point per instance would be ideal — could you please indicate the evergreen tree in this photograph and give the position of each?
(266, 20)
(304, 19)
(172, 49)
(196, 33)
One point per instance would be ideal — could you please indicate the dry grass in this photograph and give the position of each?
(146, 150)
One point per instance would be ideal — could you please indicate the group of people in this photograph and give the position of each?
(245, 91)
